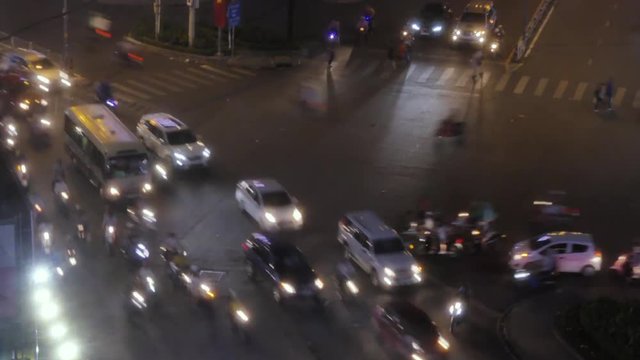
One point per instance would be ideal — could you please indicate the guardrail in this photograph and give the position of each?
(533, 27)
(14, 42)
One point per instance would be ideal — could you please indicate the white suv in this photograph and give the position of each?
(572, 253)
(172, 141)
(43, 70)
(269, 204)
(378, 250)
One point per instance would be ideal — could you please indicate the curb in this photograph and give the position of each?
(564, 343)
(503, 334)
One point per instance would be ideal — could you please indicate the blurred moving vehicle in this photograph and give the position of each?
(283, 267)
(552, 211)
(627, 265)
(41, 69)
(269, 204)
(409, 331)
(435, 20)
(476, 23)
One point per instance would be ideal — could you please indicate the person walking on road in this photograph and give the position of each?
(476, 64)
(598, 94)
(608, 93)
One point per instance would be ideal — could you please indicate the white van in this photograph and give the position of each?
(378, 250)
(573, 252)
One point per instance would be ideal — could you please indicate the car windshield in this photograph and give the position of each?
(537, 243)
(181, 137)
(290, 260)
(471, 17)
(275, 199)
(42, 64)
(127, 165)
(387, 246)
(431, 10)
(417, 323)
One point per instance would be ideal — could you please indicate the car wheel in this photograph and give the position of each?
(374, 278)
(588, 271)
(251, 271)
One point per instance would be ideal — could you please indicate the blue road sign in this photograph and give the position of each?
(233, 13)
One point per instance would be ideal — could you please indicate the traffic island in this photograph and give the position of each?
(602, 329)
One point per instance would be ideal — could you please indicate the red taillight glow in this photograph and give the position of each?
(135, 57)
(103, 33)
(459, 241)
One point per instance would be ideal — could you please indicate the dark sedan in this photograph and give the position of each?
(434, 20)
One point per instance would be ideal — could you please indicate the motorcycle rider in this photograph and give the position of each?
(333, 28)
(58, 173)
(103, 91)
(344, 272)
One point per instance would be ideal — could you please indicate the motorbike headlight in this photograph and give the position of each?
(519, 275)
(42, 295)
(297, 215)
(415, 356)
(43, 79)
(113, 191)
(57, 331)
(520, 256)
(41, 275)
(444, 344)
(147, 188)
(494, 46)
(288, 288)
(64, 195)
(416, 269)
(242, 315)
(49, 311)
(68, 350)
(111, 229)
(43, 88)
(23, 168)
(415, 26)
(436, 29)
(389, 272)
(318, 283)
(148, 215)
(161, 171)
(206, 153)
(66, 82)
(352, 287)
(44, 102)
(45, 122)
(270, 218)
(24, 105)
(457, 32)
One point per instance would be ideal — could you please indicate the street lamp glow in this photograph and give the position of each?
(69, 350)
(58, 330)
(41, 275)
(42, 295)
(49, 311)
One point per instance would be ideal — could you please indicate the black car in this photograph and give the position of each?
(434, 20)
(409, 331)
(282, 265)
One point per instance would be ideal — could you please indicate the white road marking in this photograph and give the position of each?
(484, 79)
(521, 85)
(562, 86)
(464, 78)
(125, 97)
(445, 76)
(207, 75)
(412, 68)
(425, 75)
(145, 87)
(133, 92)
(163, 84)
(243, 71)
(618, 96)
(535, 38)
(579, 91)
(192, 78)
(221, 72)
(636, 100)
(172, 79)
(502, 83)
(542, 84)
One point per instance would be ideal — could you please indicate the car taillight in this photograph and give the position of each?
(245, 246)
(459, 241)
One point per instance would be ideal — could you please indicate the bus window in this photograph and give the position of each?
(127, 165)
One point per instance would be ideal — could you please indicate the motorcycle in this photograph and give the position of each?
(45, 233)
(110, 236)
(61, 194)
(72, 257)
(136, 251)
(143, 216)
(9, 136)
(456, 313)
(347, 287)
(495, 45)
(104, 95)
(81, 224)
(21, 171)
(239, 318)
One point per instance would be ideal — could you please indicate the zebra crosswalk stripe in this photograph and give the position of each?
(412, 68)
(425, 75)
(618, 96)
(464, 78)
(144, 87)
(191, 78)
(542, 84)
(205, 74)
(562, 86)
(502, 83)
(125, 97)
(163, 84)
(445, 76)
(580, 89)
(484, 79)
(172, 79)
(521, 85)
(221, 72)
(130, 91)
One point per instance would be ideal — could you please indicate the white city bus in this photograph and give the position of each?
(111, 156)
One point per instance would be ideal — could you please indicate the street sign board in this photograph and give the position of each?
(233, 13)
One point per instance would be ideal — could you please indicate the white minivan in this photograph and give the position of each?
(378, 250)
(573, 252)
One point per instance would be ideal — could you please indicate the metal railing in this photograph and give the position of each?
(14, 42)
(524, 42)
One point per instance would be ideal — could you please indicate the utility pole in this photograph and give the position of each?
(193, 5)
(157, 8)
(65, 35)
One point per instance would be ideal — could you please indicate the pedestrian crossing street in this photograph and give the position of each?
(493, 79)
(147, 86)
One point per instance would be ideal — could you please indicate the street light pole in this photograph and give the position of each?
(157, 8)
(192, 4)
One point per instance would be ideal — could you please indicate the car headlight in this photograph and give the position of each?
(45, 122)
(179, 156)
(415, 27)
(288, 288)
(206, 153)
(415, 356)
(63, 75)
(297, 215)
(389, 272)
(457, 32)
(444, 344)
(43, 79)
(270, 218)
(520, 256)
(147, 187)
(113, 191)
(436, 29)
(24, 105)
(494, 46)
(481, 40)
(318, 283)
(416, 268)
(44, 102)
(68, 350)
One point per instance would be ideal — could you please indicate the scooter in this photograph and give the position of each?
(143, 216)
(239, 318)
(456, 314)
(110, 237)
(61, 193)
(347, 287)
(22, 173)
(45, 233)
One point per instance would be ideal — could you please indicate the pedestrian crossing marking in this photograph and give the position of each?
(580, 89)
(521, 85)
(130, 91)
(502, 83)
(619, 95)
(445, 76)
(243, 71)
(162, 84)
(464, 78)
(542, 84)
(125, 97)
(412, 68)
(425, 75)
(207, 75)
(562, 86)
(636, 100)
(144, 87)
(484, 79)
(191, 78)
(172, 79)
(221, 72)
